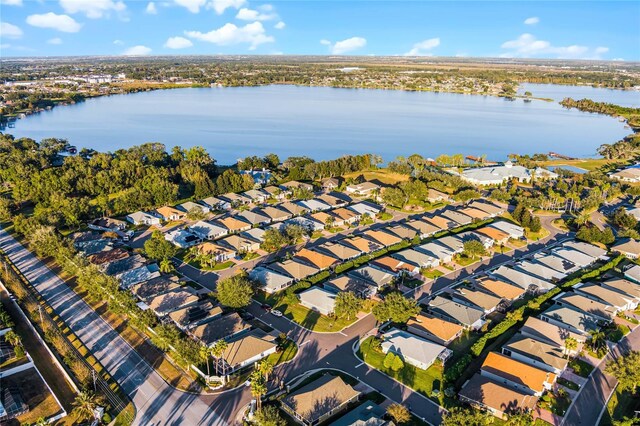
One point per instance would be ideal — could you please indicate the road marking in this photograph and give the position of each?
(359, 365)
(343, 333)
(303, 343)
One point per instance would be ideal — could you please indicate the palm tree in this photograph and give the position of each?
(5, 319)
(13, 339)
(205, 353)
(41, 422)
(266, 368)
(570, 344)
(597, 340)
(258, 387)
(217, 350)
(167, 266)
(84, 406)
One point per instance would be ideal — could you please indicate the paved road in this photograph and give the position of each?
(157, 403)
(593, 399)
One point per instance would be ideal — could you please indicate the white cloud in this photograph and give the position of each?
(138, 50)
(5, 46)
(221, 5)
(527, 46)
(229, 34)
(178, 43)
(346, 46)
(280, 25)
(532, 21)
(118, 42)
(192, 6)
(246, 14)
(64, 23)
(93, 9)
(11, 3)
(55, 40)
(423, 48)
(151, 8)
(8, 30)
(325, 42)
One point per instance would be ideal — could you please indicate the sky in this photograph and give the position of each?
(521, 29)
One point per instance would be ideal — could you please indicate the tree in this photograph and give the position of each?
(266, 368)
(396, 307)
(347, 305)
(623, 220)
(395, 197)
(166, 266)
(397, 364)
(598, 341)
(235, 292)
(158, 248)
(268, 415)
(388, 360)
(84, 406)
(570, 344)
(473, 249)
(273, 240)
(520, 417)
(626, 369)
(466, 416)
(217, 350)
(258, 387)
(205, 353)
(13, 338)
(399, 413)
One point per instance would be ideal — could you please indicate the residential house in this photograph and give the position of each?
(417, 258)
(538, 354)
(539, 270)
(442, 223)
(316, 258)
(149, 289)
(326, 219)
(471, 318)
(208, 230)
(438, 251)
(452, 242)
(571, 319)
(256, 234)
(178, 298)
(360, 287)
(516, 374)
(435, 196)
(502, 289)
(122, 265)
(627, 247)
(270, 281)
(476, 299)
(424, 229)
(522, 279)
(224, 327)
(138, 275)
(599, 310)
(401, 231)
(633, 273)
(366, 414)
(142, 218)
(459, 219)
(381, 237)
(395, 266)
(254, 217)
(294, 184)
(579, 258)
(294, 268)
(369, 273)
(331, 184)
(103, 257)
(628, 288)
(306, 222)
(275, 214)
(275, 192)
(319, 400)
(168, 213)
(435, 329)
(215, 203)
(588, 249)
(492, 209)
(332, 200)
(293, 208)
(496, 175)
(257, 196)
(107, 224)
(551, 334)
(218, 252)
(339, 251)
(88, 248)
(245, 350)
(182, 238)
(486, 241)
(499, 400)
(319, 300)
(260, 177)
(190, 206)
(500, 237)
(234, 199)
(473, 213)
(240, 244)
(557, 263)
(414, 350)
(362, 244)
(515, 231)
(362, 189)
(366, 208)
(313, 205)
(234, 223)
(630, 174)
(347, 216)
(192, 316)
(619, 301)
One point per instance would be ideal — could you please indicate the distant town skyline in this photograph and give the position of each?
(564, 30)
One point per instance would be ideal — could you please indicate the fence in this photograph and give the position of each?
(75, 363)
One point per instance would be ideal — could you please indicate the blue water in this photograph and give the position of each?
(557, 92)
(573, 169)
(325, 123)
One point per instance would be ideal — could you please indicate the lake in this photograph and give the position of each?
(324, 123)
(557, 92)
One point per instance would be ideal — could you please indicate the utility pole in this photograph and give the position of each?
(93, 375)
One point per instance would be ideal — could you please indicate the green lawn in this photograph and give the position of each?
(287, 354)
(621, 405)
(311, 319)
(465, 261)
(580, 367)
(431, 273)
(384, 216)
(423, 381)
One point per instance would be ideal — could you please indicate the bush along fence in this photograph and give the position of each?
(519, 315)
(48, 326)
